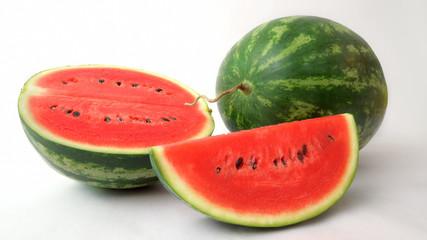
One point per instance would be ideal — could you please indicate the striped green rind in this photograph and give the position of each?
(107, 170)
(302, 67)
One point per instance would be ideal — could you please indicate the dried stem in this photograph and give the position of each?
(241, 86)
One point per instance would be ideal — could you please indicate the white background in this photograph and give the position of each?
(187, 40)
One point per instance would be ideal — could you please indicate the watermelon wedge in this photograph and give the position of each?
(265, 177)
(96, 123)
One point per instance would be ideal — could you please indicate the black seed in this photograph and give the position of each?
(119, 119)
(239, 163)
(254, 165)
(101, 80)
(159, 90)
(135, 85)
(173, 118)
(147, 120)
(304, 150)
(218, 169)
(300, 157)
(165, 119)
(118, 83)
(63, 82)
(68, 111)
(330, 138)
(53, 107)
(275, 162)
(283, 161)
(76, 114)
(107, 119)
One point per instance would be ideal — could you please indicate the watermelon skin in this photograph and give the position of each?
(111, 166)
(106, 170)
(302, 67)
(204, 174)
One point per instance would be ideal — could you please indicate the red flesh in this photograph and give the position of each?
(266, 188)
(79, 90)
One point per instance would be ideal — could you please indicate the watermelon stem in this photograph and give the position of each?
(245, 87)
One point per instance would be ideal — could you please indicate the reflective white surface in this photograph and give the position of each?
(187, 40)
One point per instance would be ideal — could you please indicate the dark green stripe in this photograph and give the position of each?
(94, 168)
(302, 68)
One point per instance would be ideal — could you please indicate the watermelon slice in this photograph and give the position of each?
(96, 123)
(266, 177)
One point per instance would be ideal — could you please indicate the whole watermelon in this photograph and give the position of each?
(301, 67)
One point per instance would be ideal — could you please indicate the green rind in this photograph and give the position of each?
(97, 166)
(302, 67)
(175, 185)
(107, 170)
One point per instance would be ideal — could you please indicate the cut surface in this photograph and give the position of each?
(270, 176)
(111, 109)
(95, 123)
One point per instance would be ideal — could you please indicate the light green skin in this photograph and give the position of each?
(97, 166)
(302, 67)
(178, 186)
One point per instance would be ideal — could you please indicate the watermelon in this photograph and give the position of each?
(301, 67)
(95, 123)
(264, 177)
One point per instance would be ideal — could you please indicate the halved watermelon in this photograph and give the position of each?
(265, 177)
(96, 123)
